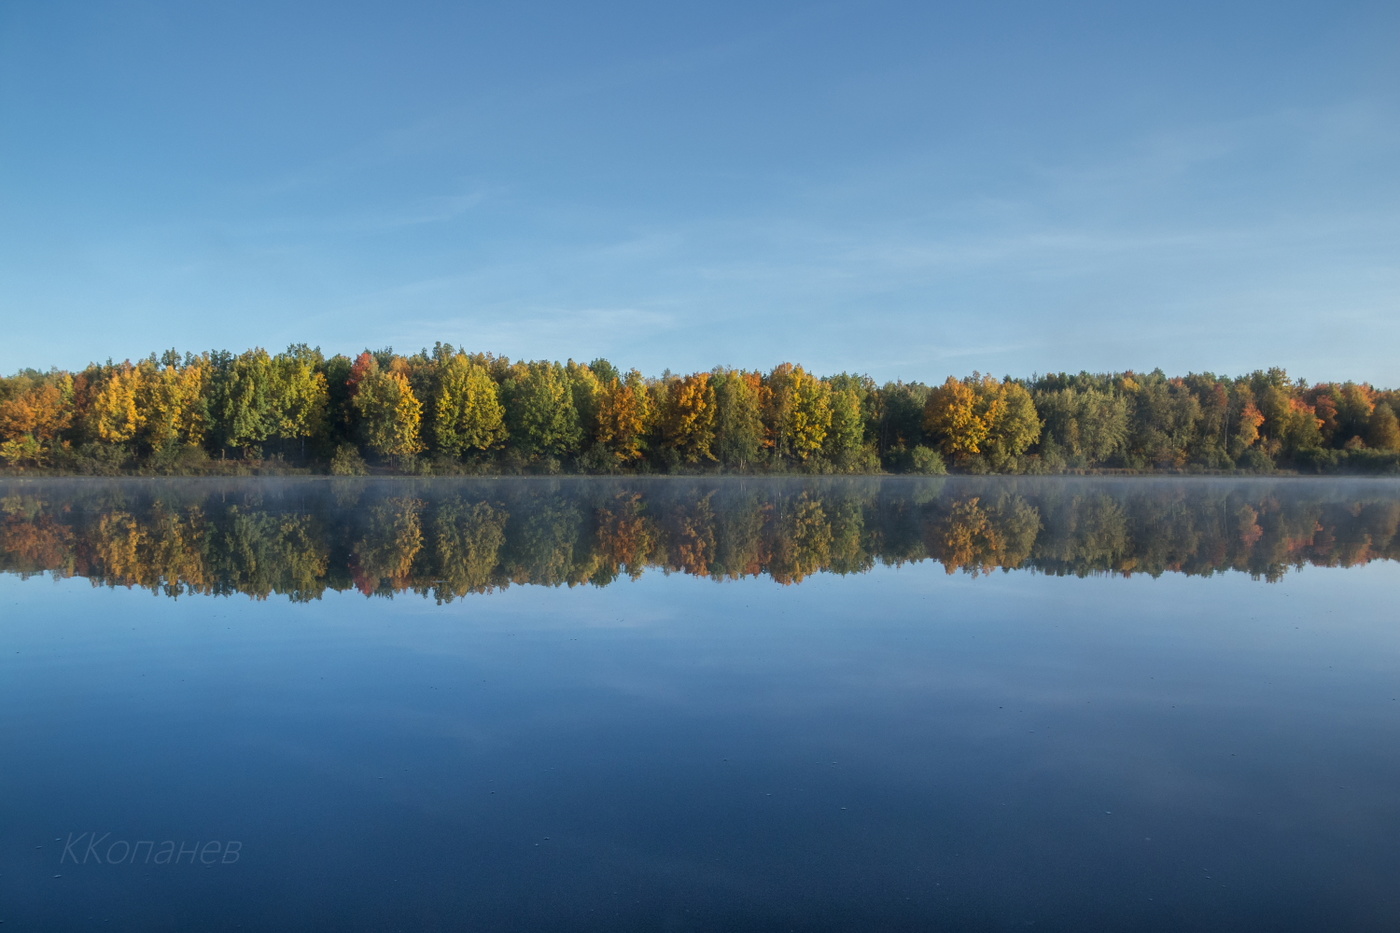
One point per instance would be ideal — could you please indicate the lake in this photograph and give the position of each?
(700, 704)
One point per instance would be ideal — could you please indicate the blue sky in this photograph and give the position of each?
(904, 189)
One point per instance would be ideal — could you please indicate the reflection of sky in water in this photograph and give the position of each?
(900, 749)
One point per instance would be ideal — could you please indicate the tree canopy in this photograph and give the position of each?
(447, 410)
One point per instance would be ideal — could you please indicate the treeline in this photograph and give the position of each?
(302, 538)
(447, 411)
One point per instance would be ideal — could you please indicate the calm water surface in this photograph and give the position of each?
(700, 705)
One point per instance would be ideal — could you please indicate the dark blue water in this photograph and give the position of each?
(900, 748)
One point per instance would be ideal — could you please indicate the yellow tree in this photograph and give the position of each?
(776, 399)
(1354, 406)
(390, 412)
(951, 415)
(170, 400)
(624, 413)
(115, 414)
(1250, 420)
(811, 413)
(298, 397)
(468, 414)
(31, 421)
(1300, 429)
(689, 420)
(847, 432)
(1012, 423)
(796, 411)
(191, 391)
(1383, 430)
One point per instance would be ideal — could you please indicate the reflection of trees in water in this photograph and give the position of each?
(382, 558)
(33, 540)
(451, 539)
(687, 537)
(624, 538)
(465, 553)
(979, 536)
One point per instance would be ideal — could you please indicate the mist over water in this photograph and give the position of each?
(451, 538)
(1176, 709)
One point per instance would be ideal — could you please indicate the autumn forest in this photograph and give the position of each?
(445, 411)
